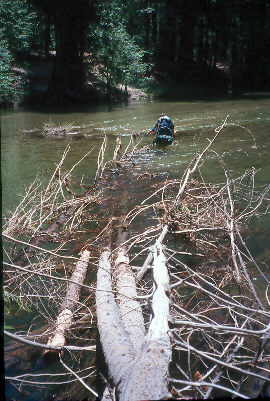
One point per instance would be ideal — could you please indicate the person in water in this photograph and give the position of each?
(163, 126)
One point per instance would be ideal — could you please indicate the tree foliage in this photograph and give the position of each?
(18, 24)
(17, 31)
(119, 59)
(212, 44)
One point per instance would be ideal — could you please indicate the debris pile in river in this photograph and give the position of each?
(51, 129)
(189, 323)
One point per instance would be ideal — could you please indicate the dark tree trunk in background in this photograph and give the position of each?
(235, 48)
(200, 40)
(165, 56)
(147, 30)
(206, 43)
(47, 36)
(154, 26)
(258, 46)
(71, 21)
(188, 14)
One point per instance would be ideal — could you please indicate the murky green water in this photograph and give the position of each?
(26, 153)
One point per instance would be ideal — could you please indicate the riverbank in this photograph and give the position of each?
(32, 84)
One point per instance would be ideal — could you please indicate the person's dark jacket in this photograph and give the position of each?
(164, 126)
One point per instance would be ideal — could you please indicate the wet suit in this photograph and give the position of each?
(164, 130)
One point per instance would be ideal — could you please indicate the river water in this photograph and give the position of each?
(26, 153)
(244, 143)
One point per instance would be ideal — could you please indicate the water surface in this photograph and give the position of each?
(26, 155)
(244, 143)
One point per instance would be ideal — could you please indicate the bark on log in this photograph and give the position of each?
(144, 377)
(117, 346)
(69, 305)
(130, 309)
(148, 378)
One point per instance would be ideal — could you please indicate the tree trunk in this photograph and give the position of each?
(70, 303)
(188, 14)
(138, 364)
(130, 309)
(117, 346)
(70, 21)
(148, 379)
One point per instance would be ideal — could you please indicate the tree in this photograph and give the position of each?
(70, 21)
(119, 59)
(17, 33)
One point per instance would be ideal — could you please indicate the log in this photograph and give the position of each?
(69, 305)
(138, 367)
(150, 258)
(117, 346)
(148, 378)
(129, 307)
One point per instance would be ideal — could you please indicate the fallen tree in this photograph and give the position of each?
(137, 363)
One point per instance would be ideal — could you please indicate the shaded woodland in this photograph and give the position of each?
(85, 50)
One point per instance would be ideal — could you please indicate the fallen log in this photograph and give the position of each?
(69, 305)
(129, 307)
(150, 257)
(117, 346)
(149, 376)
(137, 366)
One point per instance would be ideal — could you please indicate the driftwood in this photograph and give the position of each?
(116, 344)
(149, 376)
(69, 305)
(129, 307)
(138, 363)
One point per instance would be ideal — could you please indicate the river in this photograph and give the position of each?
(26, 154)
(244, 143)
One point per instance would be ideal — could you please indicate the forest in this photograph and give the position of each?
(54, 53)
